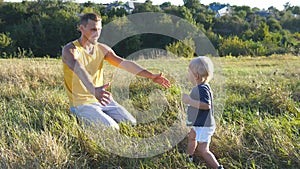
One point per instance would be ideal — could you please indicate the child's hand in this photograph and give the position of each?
(186, 98)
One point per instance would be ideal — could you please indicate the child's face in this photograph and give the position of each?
(192, 78)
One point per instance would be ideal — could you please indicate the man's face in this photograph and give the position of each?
(91, 31)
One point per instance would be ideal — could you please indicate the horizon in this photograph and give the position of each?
(278, 4)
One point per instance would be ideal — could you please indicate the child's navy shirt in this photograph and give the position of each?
(198, 117)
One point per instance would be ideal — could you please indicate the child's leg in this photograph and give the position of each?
(192, 143)
(207, 155)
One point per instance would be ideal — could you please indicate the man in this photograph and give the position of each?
(83, 76)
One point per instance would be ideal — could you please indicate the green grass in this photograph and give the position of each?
(257, 104)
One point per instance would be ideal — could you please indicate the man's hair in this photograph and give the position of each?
(85, 17)
(202, 66)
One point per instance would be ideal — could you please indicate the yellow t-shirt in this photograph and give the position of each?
(76, 91)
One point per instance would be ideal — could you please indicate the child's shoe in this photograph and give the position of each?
(189, 159)
(220, 167)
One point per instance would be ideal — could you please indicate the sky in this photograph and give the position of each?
(261, 4)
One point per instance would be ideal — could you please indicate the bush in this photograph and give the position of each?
(233, 46)
(185, 48)
(5, 43)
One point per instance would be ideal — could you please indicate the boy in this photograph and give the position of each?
(200, 110)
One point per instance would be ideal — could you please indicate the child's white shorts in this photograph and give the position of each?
(204, 134)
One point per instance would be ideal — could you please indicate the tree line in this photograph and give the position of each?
(40, 28)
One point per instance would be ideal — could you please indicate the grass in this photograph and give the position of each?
(256, 106)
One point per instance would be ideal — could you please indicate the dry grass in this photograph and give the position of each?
(257, 109)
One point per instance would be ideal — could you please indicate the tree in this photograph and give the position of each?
(192, 4)
(228, 25)
(242, 14)
(248, 35)
(165, 5)
(12, 14)
(119, 12)
(274, 24)
(261, 32)
(290, 22)
(296, 10)
(146, 7)
(287, 6)
(205, 19)
(181, 12)
(247, 9)
(45, 31)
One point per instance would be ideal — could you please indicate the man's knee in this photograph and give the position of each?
(131, 121)
(122, 115)
(108, 122)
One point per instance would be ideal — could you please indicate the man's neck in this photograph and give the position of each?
(86, 44)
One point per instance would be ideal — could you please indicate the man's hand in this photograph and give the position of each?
(158, 78)
(102, 95)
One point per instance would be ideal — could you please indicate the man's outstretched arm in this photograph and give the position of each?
(132, 67)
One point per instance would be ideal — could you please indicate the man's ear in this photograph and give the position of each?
(80, 27)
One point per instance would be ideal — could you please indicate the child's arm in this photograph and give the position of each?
(195, 103)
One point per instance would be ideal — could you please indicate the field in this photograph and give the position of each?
(257, 107)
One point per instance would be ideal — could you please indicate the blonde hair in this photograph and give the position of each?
(203, 66)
